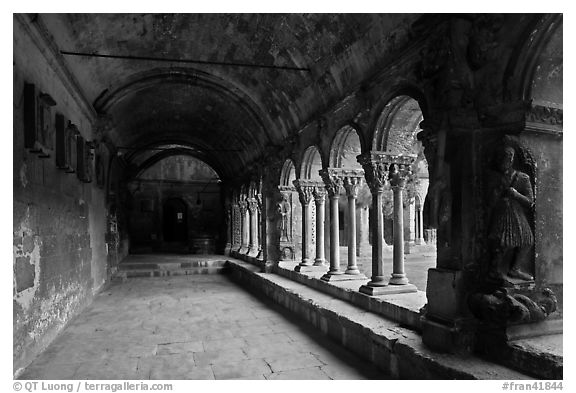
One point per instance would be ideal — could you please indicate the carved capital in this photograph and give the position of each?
(332, 181)
(320, 194)
(252, 205)
(352, 185)
(305, 189)
(243, 206)
(399, 174)
(546, 115)
(375, 170)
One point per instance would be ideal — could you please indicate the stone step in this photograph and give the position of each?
(391, 346)
(541, 357)
(150, 272)
(160, 265)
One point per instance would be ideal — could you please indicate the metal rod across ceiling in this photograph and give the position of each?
(172, 60)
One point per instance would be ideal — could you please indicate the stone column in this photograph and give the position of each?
(319, 198)
(352, 184)
(253, 212)
(229, 229)
(236, 225)
(362, 242)
(376, 173)
(333, 184)
(244, 226)
(376, 168)
(305, 195)
(260, 226)
(419, 226)
(398, 183)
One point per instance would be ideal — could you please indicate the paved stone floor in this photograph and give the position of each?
(191, 327)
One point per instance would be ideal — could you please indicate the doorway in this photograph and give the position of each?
(175, 220)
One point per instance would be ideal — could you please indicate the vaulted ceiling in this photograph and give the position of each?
(231, 113)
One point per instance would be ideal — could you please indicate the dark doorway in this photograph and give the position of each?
(175, 220)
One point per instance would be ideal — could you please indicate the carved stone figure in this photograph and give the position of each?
(284, 210)
(510, 233)
(502, 307)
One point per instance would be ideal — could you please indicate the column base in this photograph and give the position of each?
(387, 290)
(309, 268)
(243, 250)
(398, 280)
(320, 262)
(252, 252)
(227, 249)
(330, 273)
(343, 277)
(353, 271)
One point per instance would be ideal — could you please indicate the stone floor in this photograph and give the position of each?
(191, 327)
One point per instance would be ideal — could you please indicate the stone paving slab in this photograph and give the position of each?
(190, 327)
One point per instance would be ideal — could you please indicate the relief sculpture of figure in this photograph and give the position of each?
(510, 235)
(284, 210)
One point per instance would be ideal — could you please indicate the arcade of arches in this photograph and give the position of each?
(408, 165)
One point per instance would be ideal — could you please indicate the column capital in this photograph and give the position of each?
(332, 180)
(379, 166)
(352, 184)
(252, 204)
(320, 193)
(399, 175)
(243, 205)
(375, 170)
(305, 189)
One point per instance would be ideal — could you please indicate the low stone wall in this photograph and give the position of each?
(396, 350)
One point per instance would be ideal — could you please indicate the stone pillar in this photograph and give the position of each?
(398, 180)
(352, 184)
(376, 168)
(419, 226)
(333, 184)
(253, 213)
(260, 226)
(229, 229)
(244, 227)
(236, 225)
(409, 227)
(363, 244)
(305, 195)
(319, 198)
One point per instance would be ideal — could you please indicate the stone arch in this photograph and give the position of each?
(397, 124)
(288, 173)
(345, 147)
(378, 110)
(526, 65)
(311, 164)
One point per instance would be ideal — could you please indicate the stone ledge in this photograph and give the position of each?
(401, 307)
(395, 349)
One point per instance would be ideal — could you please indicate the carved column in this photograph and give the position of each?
(333, 184)
(399, 176)
(352, 184)
(244, 226)
(376, 173)
(260, 227)
(319, 198)
(305, 195)
(253, 212)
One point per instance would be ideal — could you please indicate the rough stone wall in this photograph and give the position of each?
(59, 252)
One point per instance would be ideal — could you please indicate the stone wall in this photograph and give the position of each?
(59, 221)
